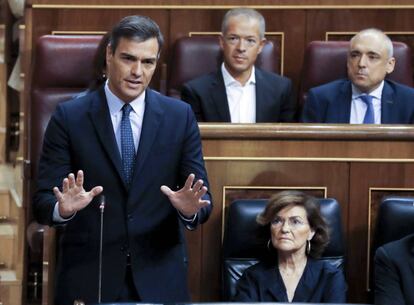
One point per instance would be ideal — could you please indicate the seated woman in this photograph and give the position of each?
(292, 273)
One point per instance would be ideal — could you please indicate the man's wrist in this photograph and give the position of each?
(190, 219)
(57, 217)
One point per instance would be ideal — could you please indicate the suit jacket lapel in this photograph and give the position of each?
(306, 285)
(275, 285)
(411, 257)
(219, 98)
(260, 97)
(150, 124)
(308, 282)
(101, 119)
(344, 103)
(387, 104)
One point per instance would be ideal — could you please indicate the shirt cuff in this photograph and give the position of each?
(190, 220)
(57, 217)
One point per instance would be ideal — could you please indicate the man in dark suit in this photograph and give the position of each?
(394, 272)
(365, 97)
(239, 92)
(130, 144)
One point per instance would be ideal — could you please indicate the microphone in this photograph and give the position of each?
(102, 209)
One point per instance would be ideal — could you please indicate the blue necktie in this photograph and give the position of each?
(127, 144)
(369, 114)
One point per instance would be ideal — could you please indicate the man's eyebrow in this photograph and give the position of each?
(149, 59)
(124, 54)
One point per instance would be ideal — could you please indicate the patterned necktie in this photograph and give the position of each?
(369, 114)
(127, 144)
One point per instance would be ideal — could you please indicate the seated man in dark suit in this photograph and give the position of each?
(239, 92)
(394, 272)
(365, 97)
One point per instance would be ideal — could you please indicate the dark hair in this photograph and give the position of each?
(99, 64)
(139, 28)
(296, 198)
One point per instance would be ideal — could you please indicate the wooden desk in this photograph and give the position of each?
(356, 164)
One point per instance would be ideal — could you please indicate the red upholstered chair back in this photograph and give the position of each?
(63, 67)
(198, 55)
(325, 61)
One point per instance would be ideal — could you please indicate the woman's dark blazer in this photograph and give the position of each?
(321, 282)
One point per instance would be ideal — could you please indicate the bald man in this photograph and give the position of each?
(366, 97)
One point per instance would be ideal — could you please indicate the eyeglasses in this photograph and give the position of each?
(235, 40)
(293, 222)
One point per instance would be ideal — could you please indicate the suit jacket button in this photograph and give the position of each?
(129, 217)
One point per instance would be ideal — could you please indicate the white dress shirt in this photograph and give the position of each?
(359, 108)
(241, 99)
(136, 116)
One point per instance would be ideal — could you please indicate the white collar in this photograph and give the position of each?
(377, 93)
(115, 104)
(230, 80)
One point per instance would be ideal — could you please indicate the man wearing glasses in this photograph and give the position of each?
(238, 92)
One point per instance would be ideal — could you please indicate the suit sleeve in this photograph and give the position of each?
(387, 282)
(312, 112)
(192, 162)
(288, 107)
(189, 96)
(54, 165)
(246, 289)
(335, 291)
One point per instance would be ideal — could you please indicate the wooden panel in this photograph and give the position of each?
(10, 293)
(209, 3)
(369, 182)
(4, 204)
(281, 21)
(319, 22)
(6, 250)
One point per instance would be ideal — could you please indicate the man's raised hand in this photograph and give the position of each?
(73, 196)
(188, 200)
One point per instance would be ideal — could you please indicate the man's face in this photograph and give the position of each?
(241, 44)
(368, 61)
(131, 67)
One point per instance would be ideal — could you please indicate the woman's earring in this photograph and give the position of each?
(308, 247)
(269, 245)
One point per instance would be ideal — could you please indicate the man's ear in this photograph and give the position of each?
(261, 45)
(221, 41)
(390, 65)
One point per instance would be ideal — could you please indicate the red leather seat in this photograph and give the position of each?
(63, 67)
